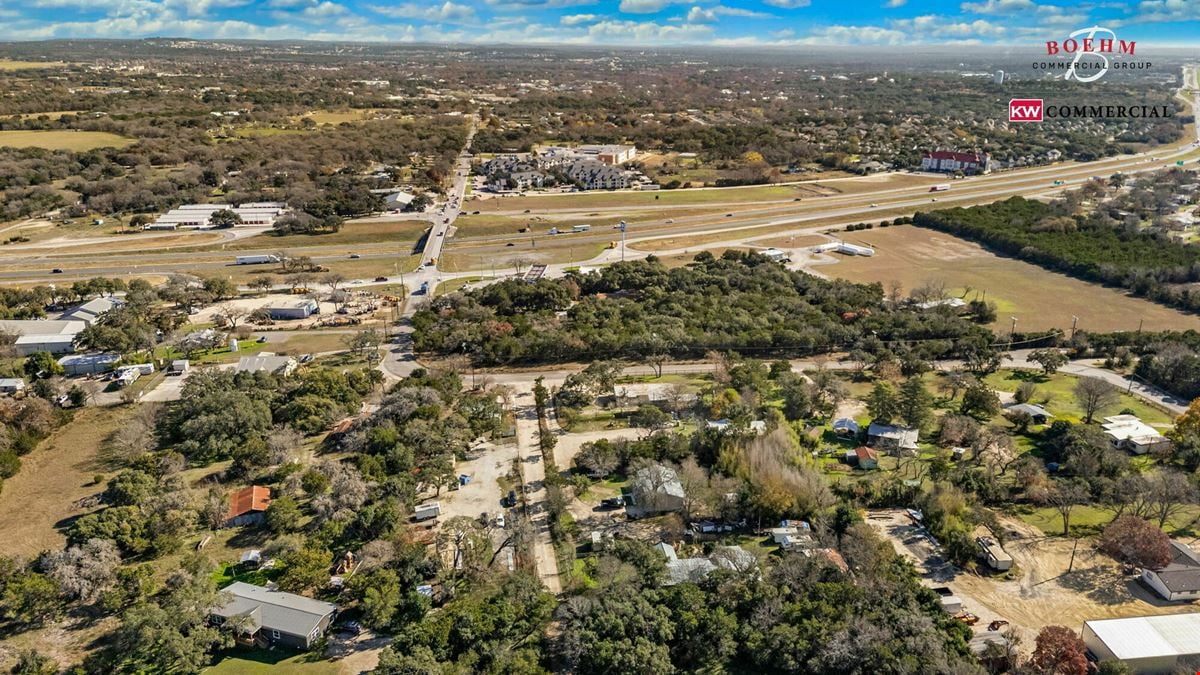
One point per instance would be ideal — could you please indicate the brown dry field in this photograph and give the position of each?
(1038, 298)
(52, 478)
(1047, 594)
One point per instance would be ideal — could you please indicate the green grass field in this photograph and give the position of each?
(78, 141)
(1059, 388)
(282, 661)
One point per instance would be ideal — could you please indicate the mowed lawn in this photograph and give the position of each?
(1038, 298)
(63, 139)
(41, 497)
(1059, 388)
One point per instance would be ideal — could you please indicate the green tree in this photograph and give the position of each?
(915, 403)
(42, 365)
(283, 515)
(305, 569)
(31, 599)
(883, 403)
(979, 401)
(1049, 359)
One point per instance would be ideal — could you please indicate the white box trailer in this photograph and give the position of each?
(427, 511)
(257, 259)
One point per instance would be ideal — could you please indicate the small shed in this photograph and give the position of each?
(845, 427)
(179, 367)
(427, 511)
(11, 385)
(248, 506)
(89, 364)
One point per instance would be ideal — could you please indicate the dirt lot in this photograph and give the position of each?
(1038, 298)
(1045, 593)
(52, 479)
(483, 493)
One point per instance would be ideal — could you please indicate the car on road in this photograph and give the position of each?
(873, 205)
(355, 256)
(669, 221)
(261, 339)
(306, 358)
(509, 244)
(441, 233)
(728, 215)
(56, 270)
(381, 279)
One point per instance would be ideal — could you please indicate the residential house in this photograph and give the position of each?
(270, 617)
(1039, 414)
(845, 427)
(866, 458)
(1180, 578)
(248, 506)
(680, 570)
(1147, 645)
(892, 437)
(654, 489)
(267, 362)
(11, 385)
(792, 535)
(1127, 432)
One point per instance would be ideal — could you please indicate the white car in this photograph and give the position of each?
(500, 520)
(874, 205)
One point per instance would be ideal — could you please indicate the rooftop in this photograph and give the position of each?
(1145, 637)
(249, 499)
(277, 610)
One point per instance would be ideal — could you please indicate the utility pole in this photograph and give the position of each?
(1012, 332)
(1074, 322)
(624, 227)
(1140, 322)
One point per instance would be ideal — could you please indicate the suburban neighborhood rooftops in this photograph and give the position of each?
(1145, 637)
(276, 610)
(249, 500)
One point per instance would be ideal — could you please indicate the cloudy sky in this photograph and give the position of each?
(645, 23)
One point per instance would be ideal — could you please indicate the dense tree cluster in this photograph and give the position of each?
(643, 310)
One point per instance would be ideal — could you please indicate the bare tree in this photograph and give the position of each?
(1064, 496)
(85, 571)
(232, 314)
(1093, 394)
(1168, 493)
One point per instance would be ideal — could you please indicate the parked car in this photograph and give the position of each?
(613, 502)
(510, 500)
(350, 629)
(305, 358)
(500, 520)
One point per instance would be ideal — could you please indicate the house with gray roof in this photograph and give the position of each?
(654, 490)
(271, 617)
(267, 362)
(1180, 579)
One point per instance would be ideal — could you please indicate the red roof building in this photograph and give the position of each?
(945, 161)
(248, 505)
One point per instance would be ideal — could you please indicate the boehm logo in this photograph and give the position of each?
(1025, 110)
(1092, 48)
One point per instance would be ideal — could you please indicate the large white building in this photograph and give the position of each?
(35, 335)
(1128, 432)
(199, 216)
(1149, 645)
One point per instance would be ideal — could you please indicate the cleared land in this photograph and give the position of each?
(63, 466)
(8, 64)
(1038, 298)
(78, 141)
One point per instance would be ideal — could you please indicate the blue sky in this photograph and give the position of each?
(646, 23)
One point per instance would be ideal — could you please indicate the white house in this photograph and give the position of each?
(1127, 432)
(892, 436)
(267, 362)
(1180, 579)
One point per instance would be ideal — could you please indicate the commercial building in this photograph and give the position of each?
(609, 154)
(88, 364)
(273, 617)
(199, 216)
(1148, 645)
(301, 309)
(33, 335)
(945, 161)
(91, 311)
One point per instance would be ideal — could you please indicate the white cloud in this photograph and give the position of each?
(933, 25)
(998, 6)
(788, 4)
(643, 32)
(446, 11)
(699, 14)
(1154, 11)
(646, 6)
(895, 3)
(854, 35)
(578, 19)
